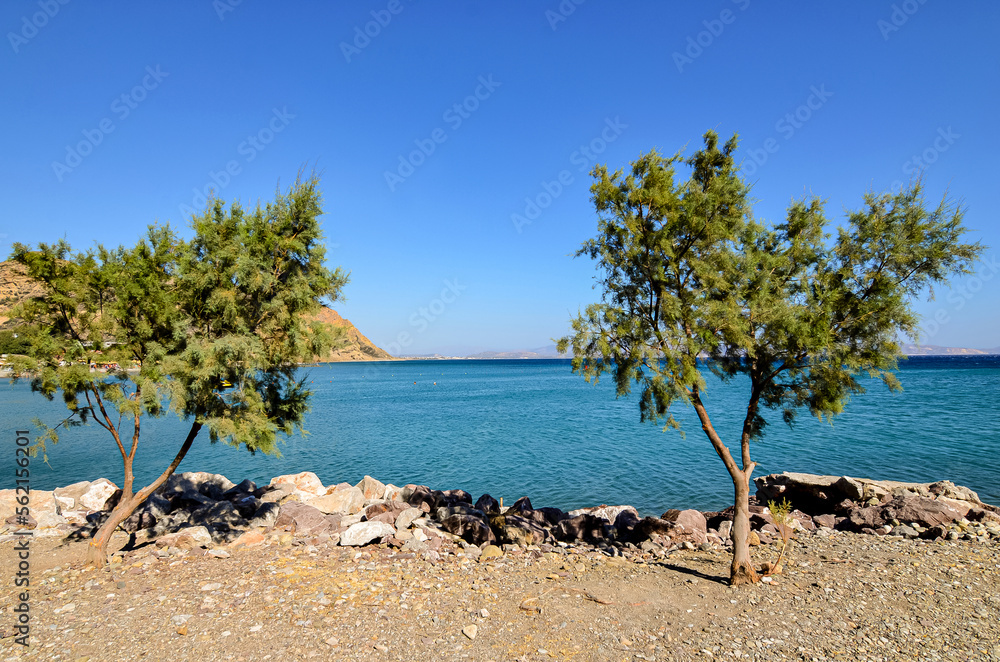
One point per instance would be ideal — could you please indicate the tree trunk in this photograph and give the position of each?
(742, 571)
(97, 551)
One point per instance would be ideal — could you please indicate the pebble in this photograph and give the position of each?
(470, 631)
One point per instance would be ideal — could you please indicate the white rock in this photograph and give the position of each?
(97, 494)
(305, 481)
(363, 533)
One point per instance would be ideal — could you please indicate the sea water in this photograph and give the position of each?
(530, 427)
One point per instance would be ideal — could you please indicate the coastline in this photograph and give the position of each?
(295, 591)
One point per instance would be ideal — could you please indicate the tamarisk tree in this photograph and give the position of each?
(211, 329)
(692, 284)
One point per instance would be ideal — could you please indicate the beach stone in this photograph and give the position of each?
(754, 539)
(186, 538)
(371, 488)
(490, 552)
(904, 531)
(829, 521)
(392, 493)
(346, 501)
(98, 494)
(520, 507)
(726, 529)
(386, 510)
(305, 481)
(304, 519)
(406, 517)
(363, 533)
(250, 538)
(470, 631)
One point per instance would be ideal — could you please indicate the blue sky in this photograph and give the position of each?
(438, 130)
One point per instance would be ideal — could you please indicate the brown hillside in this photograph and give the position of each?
(15, 286)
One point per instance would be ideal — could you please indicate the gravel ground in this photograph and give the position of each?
(841, 597)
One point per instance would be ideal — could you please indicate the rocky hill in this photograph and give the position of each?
(15, 286)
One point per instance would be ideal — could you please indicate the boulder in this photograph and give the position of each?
(265, 516)
(829, 521)
(346, 501)
(371, 488)
(585, 527)
(406, 517)
(67, 498)
(452, 497)
(920, 510)
(608, 513)
(421, 496)
(469, 528)
(488, 505)
(870, 517)
(691, 521)
(363, 533)
(240, 490)
(519, 530)
(97, 496)
(392, 493)
(383, 508)
(305, 481)
(209, 485)
(520, 507)
(221, 514)
(302, 518)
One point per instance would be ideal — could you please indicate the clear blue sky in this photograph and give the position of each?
(164, 95)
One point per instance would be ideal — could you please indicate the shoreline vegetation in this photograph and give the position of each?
(298, 569)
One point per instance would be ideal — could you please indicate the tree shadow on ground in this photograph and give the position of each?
(723, 580)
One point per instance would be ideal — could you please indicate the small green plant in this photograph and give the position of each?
(782, 520)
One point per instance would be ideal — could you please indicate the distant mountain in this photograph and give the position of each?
(547, 352)
(938, 350)
(15, 286)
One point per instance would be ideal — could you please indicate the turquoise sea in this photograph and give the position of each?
(514, 428)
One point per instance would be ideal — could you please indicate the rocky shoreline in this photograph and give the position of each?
(204, 510)
(297, 570)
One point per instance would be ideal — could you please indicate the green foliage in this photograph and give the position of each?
(687, 273)
(168, 321)
(14, 341)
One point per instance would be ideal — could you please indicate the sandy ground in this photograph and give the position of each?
(843, 597)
